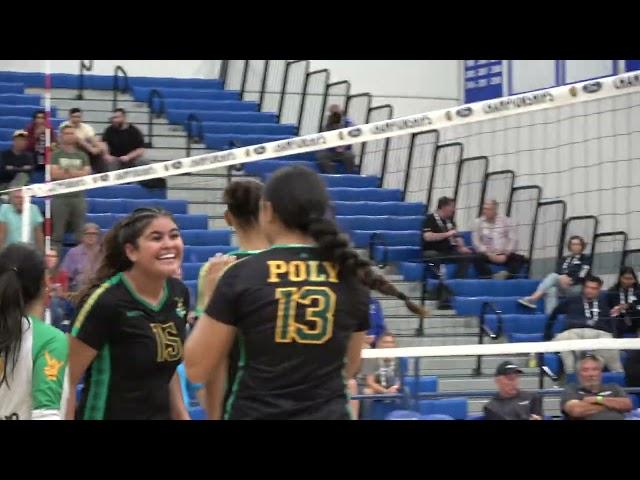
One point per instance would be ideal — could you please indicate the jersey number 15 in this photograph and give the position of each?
(319, 304)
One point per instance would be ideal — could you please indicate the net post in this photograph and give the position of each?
(47, 152)
(26, 215)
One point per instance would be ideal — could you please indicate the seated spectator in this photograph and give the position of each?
(376, 320)
(335, 121)
(494, 239)
(86, 138)
(589, 316)
(626, 294)
(68, 210)
(441, 239)
(17, 163)
(383, 374)
(58, 288)
(511, 403)
(11, 222)
(36, 139)
(568, 279)
(124, 143)
(591, 400)
(81, 261)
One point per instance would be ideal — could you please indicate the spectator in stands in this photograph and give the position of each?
(376, 320)
(11, 222)
(17, 163)
(511, 403)
(494, 239)
(58, 291)
(441, 241)
(626, 294)
(124, 143)
(336, 120)
(36, 137)
(588, 316)
(81, 261)
(86, 138)
(591, 400)
(568, 279)
(68, 210)
(358, 385)
(383, 375)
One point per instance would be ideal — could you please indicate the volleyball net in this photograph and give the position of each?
(551, 158)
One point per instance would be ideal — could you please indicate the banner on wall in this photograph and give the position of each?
(483, 80)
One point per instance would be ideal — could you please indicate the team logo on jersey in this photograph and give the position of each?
(180, 310)
(52, 368)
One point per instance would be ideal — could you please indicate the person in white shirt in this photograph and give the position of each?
(494, 239)
(87, 140)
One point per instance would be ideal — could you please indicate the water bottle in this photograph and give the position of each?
(533, 361)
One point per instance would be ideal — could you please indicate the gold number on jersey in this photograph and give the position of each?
(169, 345)
(319, 305)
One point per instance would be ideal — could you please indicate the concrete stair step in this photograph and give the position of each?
(212, 179)
(164, 154)
(91, 116)
(105, 105)
(464, 363)
(70, 93)
(211, 209)
(176, 142)
(436, 341)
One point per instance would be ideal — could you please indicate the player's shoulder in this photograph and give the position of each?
(176, 286)
(47, 337)
(106, 293)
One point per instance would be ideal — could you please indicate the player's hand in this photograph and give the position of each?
(217, 265)
(535, 417)
(615, 311)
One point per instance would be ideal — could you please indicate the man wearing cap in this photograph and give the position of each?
(16, 164)
(591, 400)
(511, 403)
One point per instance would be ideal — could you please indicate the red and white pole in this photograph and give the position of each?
(47, 152)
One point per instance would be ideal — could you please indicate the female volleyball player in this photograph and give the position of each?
(33, 355)
(129, 332)
(242, 198)
(300, 310)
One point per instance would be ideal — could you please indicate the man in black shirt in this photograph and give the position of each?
(588, 316)
(441, 241)
(124, 143)
(17, 164)
(591, 400)
(511, 403)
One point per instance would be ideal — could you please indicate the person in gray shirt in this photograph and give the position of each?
(591, 400)
(511, 403)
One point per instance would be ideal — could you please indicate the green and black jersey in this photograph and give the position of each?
(139, 348)
(295, 315)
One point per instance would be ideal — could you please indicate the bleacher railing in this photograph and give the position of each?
(85, 66)
(156, 110)
(116, 85)
(191, 136)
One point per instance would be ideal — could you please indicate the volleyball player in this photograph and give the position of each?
(129, 332)
(33, 355)
(300, 310)
(242, 198)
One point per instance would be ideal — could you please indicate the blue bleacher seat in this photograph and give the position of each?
(403, 415)
(378, 208)
(190, 270)
(211, 105)
(250, 128)
(103, 220)
(170, 82)
(191, 221)
(23, 110)
(200, 254)
(455, 407)
(497, 288)
(395, 253)
(375, 223)
(17, 123)
(178, 117)
(507, 305)
(20, 99)
(173, 206)
(11, 87)
(29, 79)
(436, 416)
(607, 377)
(223, 141)
(425, 384)
(206, 237)
(141, 94)
(365, 194)
(131, 192)
(262, 168)
(380, 409)
(106, 205)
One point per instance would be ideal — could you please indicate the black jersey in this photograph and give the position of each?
(295, 316)
(139, 348)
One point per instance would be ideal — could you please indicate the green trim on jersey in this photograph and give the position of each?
(294, 245)
(236, 381)
(134, 294)
(99, 388)
(50, 356)
(93, 298)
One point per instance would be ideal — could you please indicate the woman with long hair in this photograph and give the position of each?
(626, 294)
(127, 338)
(33, 355)
(299, 310)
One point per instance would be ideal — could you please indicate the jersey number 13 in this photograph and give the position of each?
(318, 305)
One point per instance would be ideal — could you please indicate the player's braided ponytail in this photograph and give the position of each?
(299, 199)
